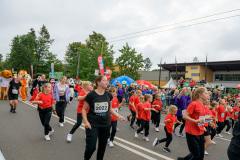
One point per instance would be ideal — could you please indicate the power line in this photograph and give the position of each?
(174, 24)
(176, 28)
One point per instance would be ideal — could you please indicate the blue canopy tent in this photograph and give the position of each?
(124, 80)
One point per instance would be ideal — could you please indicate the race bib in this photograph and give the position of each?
(14, 91)
(236, 113)
(116, 109)
(183, 112)
(222, 115)
(201, 117)
(207, 116)
(101, 107)
(227, 118)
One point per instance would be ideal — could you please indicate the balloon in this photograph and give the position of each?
(145, 83)
(239, 86)
(124, 80)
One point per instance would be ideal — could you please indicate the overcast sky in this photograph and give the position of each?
(73, 20)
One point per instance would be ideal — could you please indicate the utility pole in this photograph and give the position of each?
(206, 69)
(159, 81)
(176, 69)
(78, 65)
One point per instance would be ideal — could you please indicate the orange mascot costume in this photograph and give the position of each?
(108, 73)
(5, 77)
(24, 83)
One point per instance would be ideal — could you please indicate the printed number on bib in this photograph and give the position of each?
(227, 118)
(207, 116)
(116, 109)
(222, 115)
(183, 112)
(14, 91)
(201, 117)
(236, 113)
(101, 107)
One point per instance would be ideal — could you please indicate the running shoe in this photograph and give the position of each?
(146, 139)
(108, 140)
(61, 125)
(213, 142)
(11, 109)
(166, 150)
(136, 135)
(50, 132)
(14, 111)
(174, 132)
(156, 129)
(181, 135)
(131, 127)
(111, 144)
(155, 142)
(47, 138)
(141, 132)
(227, 132)
(219, 135)
(69, 137)
(128, 118)
(205, 152)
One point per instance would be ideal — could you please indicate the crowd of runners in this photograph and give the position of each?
(201, 113)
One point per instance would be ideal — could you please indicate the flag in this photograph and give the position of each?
(52, 69)
(32, 70)
(101, 65)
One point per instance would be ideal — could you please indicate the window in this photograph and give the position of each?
(227, 77)
(186, 71)
(194, 67)
(195, 74)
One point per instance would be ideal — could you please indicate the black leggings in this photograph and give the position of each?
(144, 125)
(114, 130)
(232, 155)
(119, 99)
(227, 123)
(233, 123)
(79, 122)
(60, 108)
(168, 140)
(220, 127)
(212, 133)
(180, 119)
(157, 117)
(45, 116)
(133, 118)
(138, 122)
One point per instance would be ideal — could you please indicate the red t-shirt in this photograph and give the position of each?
(196, 111)
(130, 100)
(215, 114)
(78, 87)
(80, 104)
(157, 103)
(235, 112)
(221, 113)
(47, 100)
(115, 105)
(227, 116)
(170, 124)
(139, 108)
(136, 100)
(146, 114)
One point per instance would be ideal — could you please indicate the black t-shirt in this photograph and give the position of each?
(41, 83)
(235, 142)
(99, 115)
(14, 87)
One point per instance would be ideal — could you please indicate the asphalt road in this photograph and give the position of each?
(22, 138)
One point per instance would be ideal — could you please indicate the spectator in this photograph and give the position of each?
(181, 82)
(214, 96)
(202, 82)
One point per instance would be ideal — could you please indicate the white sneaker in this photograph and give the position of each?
(141, 132)
(156, 129)
(136, 135)
(146, 139)
(220, 135)
(69, 137)
(108, 140)
(61, 125)
(227, 132)
(205, 152)
(47, 137)
(51, 132)
(111, 144)
(213, 142)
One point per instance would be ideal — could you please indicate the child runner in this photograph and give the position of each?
(135, 102)
(13, 90)
(231, 103)
(213, 107)
(235, 113)
(115, 106)
(220, 117)
(34, 91)
(45, 108)
(195, 115)
(146, 117)
(157, 104)
(139, 110)
(81, 96)
(169, 126)
(226, 119)
(133, 93)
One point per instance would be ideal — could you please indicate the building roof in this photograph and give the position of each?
(153, 75)
(214, 66)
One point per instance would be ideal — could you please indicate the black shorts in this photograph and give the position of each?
(12, 96)
(207, 133)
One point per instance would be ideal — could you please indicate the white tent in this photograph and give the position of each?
(170, 84)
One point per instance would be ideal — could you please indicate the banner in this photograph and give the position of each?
(101, 65)
(56, 75)
(32, 70)
(12, 70)
(52, 69)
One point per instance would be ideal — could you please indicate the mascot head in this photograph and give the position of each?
(23, 74)
(70, 81)
(78, 81)
(6, 74)
(108, 73)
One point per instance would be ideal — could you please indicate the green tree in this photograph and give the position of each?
(1, 57)
(129, 62)
(148, 64)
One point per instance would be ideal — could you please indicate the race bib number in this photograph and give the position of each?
(222, 115)
(101, 107)
(183, 112)
(236, 113)
(207, 116)
(116, 109)
(227, 118)
(201, 117)
(14, 91)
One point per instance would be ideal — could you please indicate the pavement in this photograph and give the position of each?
(22, 138)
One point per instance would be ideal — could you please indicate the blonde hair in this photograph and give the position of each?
(196, 92)
(158, 94)
(44, 86)
(132, 92)
(221, 100)
(236, 104)
(214, 103)
(176, 91)
(139, 91)
(64, 77)
(228, 108)
(84, 83)
(112, 89)
(238, 98)
(172, 108)
(146, 96)
(141, 97)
